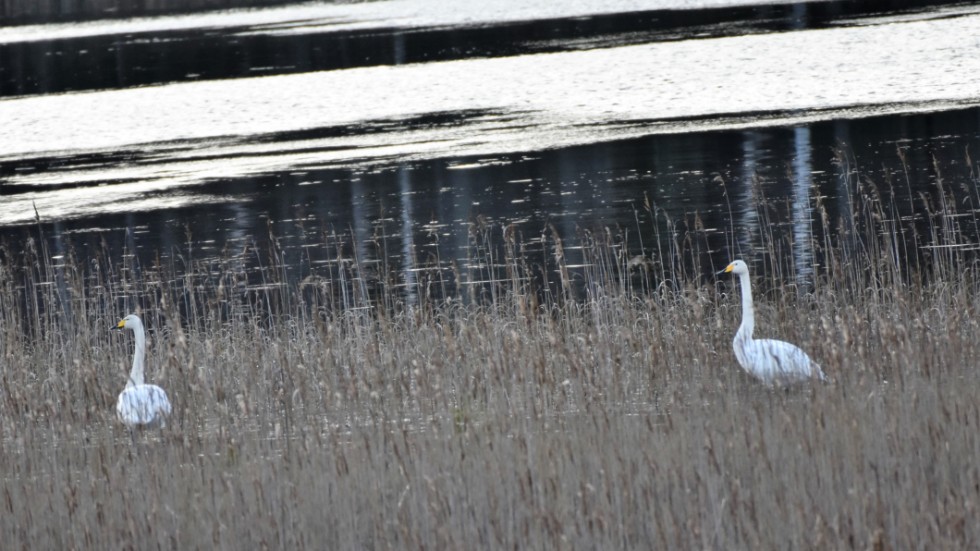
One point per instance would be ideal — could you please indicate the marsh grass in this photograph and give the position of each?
(535, 404)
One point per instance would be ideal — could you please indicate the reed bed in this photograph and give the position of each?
(544, 405)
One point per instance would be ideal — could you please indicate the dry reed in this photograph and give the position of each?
(516, 402)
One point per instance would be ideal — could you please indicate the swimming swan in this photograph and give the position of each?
(140, 404)
(769, 360)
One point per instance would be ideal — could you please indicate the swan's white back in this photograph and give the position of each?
(140, 404)
(776, 362)
(143, 405)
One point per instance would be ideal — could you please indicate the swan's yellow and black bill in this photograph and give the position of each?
(728, 269)
(120, 325)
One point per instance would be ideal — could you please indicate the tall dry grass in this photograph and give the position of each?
(530, 403)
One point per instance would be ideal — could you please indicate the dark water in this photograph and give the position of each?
(429, 212)
(204, 53)
(413, 185)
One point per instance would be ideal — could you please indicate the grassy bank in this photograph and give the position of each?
(617, 418)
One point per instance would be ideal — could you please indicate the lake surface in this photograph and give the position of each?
(414, 125)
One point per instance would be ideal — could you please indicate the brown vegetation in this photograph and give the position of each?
(524, 419)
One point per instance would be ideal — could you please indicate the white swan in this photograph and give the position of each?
(140, 404)
(769, 360)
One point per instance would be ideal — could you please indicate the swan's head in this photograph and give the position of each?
(131, 321)
(737, 267)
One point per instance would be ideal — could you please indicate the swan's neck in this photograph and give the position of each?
(136, 375)
(748, 314)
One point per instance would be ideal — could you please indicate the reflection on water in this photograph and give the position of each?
(329, 37)
(445, 218)
(48, 59)
(802, 182)
(694, 150)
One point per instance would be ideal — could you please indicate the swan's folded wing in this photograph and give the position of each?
(143, 405)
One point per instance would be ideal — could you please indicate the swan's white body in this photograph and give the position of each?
(771, 361)
(140, 404)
